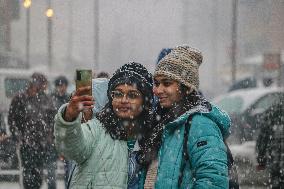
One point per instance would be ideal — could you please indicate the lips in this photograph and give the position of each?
(123, 109)
(162, 99)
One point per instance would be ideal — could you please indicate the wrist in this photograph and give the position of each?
(67, 116)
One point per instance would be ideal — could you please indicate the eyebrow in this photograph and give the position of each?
(165, 80)
(132, 90)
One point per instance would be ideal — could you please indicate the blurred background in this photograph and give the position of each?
(233, 35)
(242, 42)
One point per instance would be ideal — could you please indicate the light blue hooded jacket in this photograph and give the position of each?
(99, 92)
(207, 166)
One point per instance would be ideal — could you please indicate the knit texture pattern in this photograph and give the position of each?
(182, 65)
(151, 175)
(132, 73)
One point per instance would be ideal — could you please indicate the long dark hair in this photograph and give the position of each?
(132, 74)
(114, 124)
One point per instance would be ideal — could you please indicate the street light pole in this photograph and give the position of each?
(27, 5)
(49, 14)
(234, 38)
(70, 34)
(185, 21)
(96, 34)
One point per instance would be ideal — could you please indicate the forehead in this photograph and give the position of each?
(159, 77)
(162, 78)
(126, 87)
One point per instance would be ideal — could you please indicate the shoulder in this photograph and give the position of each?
(204, 133)
(202, 125)
(18, 99)
(21, 95)
(95, 126)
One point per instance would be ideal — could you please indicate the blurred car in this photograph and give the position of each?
(246, 107)
(253, 82)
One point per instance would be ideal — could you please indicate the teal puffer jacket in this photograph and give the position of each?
(101, 161)
(207, 166)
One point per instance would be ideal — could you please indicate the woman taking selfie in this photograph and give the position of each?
(102, 146)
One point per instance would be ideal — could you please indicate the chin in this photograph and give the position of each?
(125, 116)
(164, 105)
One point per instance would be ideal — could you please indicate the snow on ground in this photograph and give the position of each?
(16, 185)
(245, 150)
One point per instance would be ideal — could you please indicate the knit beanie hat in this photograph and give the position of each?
(181, 64)
(61, 80)
(132, 73)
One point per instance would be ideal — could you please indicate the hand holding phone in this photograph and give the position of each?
(82, 99)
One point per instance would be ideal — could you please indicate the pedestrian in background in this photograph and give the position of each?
(102, 147)
(163, 53)
(60, 97)
(103, 75)
(185, 148)
(269, 144)
(31, 124)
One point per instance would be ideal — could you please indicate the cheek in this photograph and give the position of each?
(171, 92)
(155, 90)
(174, 94)
(137, 108)
(114, 105)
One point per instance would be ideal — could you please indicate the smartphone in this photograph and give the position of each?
(83, 79)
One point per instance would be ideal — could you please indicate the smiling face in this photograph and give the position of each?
(167, 91)
(127, 101)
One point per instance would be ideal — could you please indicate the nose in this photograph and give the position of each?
(124, 99)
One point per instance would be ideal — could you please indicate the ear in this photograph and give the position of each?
(188, 91)
(185, 89)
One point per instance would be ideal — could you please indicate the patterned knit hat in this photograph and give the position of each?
(181, 64)
(132, 73)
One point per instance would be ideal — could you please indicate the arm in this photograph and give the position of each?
(15, 117)
(208, 154)
(73, 139)
(263, 141)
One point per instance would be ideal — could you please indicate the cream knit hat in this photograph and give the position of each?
(181, 64)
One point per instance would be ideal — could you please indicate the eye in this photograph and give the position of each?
(156, 83)
(133, 95)
(167, 83)
(116, 94)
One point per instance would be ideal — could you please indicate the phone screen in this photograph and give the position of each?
(83, 79)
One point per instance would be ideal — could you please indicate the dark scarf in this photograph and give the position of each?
(151, 143)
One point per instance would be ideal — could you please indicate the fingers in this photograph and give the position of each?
(82, 98)
(83, 101)
(74, 108)
(79, 102)
(86, 105)
(82, 91)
